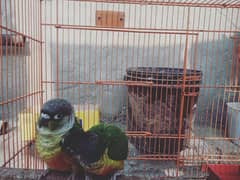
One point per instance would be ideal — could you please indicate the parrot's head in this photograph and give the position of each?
(57, 115)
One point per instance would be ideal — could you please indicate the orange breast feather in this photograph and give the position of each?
(60, 162)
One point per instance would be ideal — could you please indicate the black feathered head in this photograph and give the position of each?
(55, 113)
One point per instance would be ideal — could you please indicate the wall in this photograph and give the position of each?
(89, 55)
(20, 65)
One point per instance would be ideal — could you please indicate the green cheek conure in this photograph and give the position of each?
(63, 144)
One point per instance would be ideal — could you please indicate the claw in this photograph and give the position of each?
(72, 177)
(44, 174)
(75, 176)
(116, 175)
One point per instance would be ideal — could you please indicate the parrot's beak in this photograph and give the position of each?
(48, 123)
(42, 122)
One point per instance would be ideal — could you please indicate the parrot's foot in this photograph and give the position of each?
(115, 175)
(44, 174)
(98, 177)
(49, 172)
(75, 176)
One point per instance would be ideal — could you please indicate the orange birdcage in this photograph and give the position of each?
(164, 71)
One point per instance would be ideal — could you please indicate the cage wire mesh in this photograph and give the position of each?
(163, 71)
(20, 74)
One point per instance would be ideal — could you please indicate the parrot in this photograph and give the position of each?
(63, 144)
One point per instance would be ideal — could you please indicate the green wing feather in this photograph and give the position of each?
(115, 139)
(100, 150)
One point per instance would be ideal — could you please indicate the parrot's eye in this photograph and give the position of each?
(58, 116)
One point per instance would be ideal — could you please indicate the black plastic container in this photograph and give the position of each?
(156, 108)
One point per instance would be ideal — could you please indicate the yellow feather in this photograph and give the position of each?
(105, 164)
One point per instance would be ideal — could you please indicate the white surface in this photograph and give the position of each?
(111, 100)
